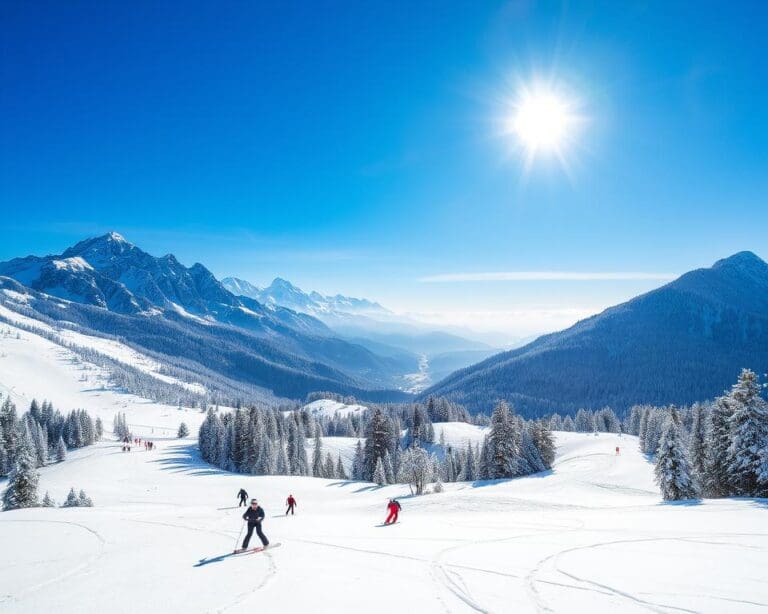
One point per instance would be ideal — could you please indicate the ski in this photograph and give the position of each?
(257, 549)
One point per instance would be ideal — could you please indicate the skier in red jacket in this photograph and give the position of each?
(394, 507)
(291, 503)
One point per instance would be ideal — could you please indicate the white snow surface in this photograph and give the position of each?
(328, 407)
(592, 535)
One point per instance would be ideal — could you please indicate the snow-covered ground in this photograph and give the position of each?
(591, 536)
(329, 407)
(33, 367)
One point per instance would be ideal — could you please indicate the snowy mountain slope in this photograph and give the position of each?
(329, 407)
(285, 361)
(591, 536)
(680, 343)
(118, 285)
(283, 293)
(32, 367)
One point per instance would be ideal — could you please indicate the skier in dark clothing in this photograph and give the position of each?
(254, 515)
(243, 496)
(291, 502)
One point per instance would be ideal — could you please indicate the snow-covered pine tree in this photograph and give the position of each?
(329, 469)
(717, 476)
(358, 462)
(61, 450)
(470, 464)
(388, 470)
(22, 480)
(282, 466)
(544, 442)
(645, 414)
(99, 429)
(317, 456)
(697, 444)
(673, 471)
(72, 500)
(503, 443)
(183, 431)
(48, 501)
(379, 476)
(748, 452)
(341, 473)
(84, 500)
(568, 425)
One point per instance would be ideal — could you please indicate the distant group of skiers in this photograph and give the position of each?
(137, 441)
(254, 516)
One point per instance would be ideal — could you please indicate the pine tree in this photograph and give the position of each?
(438, 486)
(470, 464)
(673, 472)
(183, 431)
(544, 442)
(99, 428)
(717, 481)
(341, 473)
(379, 477)
(48, 501)
(503, 443)
(388, 470)
(84, 500)
(358, 462)
(317, 457)
(698, 444)
(72, 500)
(329, 470)
(416, 469)
(568, 425)
(61, 450)
(748, 451)
(22, 481)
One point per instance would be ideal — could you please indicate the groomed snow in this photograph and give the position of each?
(591, 536)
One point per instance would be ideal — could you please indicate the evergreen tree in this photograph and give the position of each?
(748, 451)
(340, 471)
(84, 500)
(61, 450)
(72, 500)
(317, 457)
(673, 472)
(568, 425)
(358, 463)
(388, 470)
(470, 464)
(329, 470)
(438, 486)
(183, 431)
(698, 444)
(503, 443)
(544, 442)
(717, 479)
(99, 428)
(22, 481)
(48, 501)
(379, 477)
(416, 469)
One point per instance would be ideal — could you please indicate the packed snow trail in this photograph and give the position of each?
(590, 536)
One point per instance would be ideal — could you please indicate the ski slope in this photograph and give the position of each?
(589, 536)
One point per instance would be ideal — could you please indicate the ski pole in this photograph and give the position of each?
(237, 541)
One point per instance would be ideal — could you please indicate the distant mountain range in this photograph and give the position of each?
(185, 313)
(283, 293)
(683, 342)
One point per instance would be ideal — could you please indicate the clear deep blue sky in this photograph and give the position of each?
(354, 146)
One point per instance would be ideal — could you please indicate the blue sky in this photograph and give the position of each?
(355, 147)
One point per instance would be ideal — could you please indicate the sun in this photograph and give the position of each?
(542, 121)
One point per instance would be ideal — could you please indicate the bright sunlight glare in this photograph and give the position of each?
(542, 122)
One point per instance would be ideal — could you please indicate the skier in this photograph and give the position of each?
(243, 496)
(291, 502)
(394, 508)
(254, 515)
(617, 450)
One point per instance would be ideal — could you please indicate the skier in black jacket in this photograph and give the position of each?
(243, 496)
(254, 515)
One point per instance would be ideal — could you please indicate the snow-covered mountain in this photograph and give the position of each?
(113, 287)
(680, 343)
(283, 293)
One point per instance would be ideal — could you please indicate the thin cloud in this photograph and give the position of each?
(545, 276)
